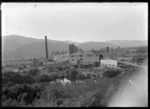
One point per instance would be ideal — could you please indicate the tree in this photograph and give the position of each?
(74, 74)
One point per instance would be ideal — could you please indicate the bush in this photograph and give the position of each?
(81, 76)
(73, 75)
(9, 84)
(53, 76)
(16, 78)
(5, 80)
(51, 69)
(29, 79)
(111, 73)
(46, 78)
(85, 94)
(52, 92)
(21, 93)
(33, 72)
(91, 99)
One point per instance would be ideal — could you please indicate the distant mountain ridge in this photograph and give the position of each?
(129, 43)
(96, 45)
(24, 47)
(12, 42)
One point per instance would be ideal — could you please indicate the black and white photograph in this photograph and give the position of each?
(74, 54)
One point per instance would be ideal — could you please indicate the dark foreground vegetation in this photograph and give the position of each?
(34, 90)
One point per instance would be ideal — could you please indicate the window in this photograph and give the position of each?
(72, 56)
(80, 55)
(72, 59)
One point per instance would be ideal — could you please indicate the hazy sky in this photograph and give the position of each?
(76, 21)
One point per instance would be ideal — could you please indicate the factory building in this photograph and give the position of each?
(75, 49)
(108, 63)
(71, 48)
(76, 57)
(90, 58)
(85, 58)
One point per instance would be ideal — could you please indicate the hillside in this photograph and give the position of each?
(15, 46)
(23, 47)
(128, 43)
(95, 45)
(12, 42)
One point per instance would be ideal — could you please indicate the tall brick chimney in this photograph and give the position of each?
(46, 47)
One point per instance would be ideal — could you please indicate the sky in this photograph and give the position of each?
(78, 22)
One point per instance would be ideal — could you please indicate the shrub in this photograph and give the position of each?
(9, 84)
(51, 69)
(73, 75)
(33, 72)
(5, 91)
(17, 78)
(5, 79)
(53, 76)
(29, 79)
(81, 76)
(85, 94)
(87, 99)
(43, 78)
(22, 93)
(111, 73)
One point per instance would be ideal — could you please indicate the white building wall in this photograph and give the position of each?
(109, 63)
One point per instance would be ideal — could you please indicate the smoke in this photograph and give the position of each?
(134, 93)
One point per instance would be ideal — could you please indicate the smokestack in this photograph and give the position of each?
(71, 48)
(46, 47)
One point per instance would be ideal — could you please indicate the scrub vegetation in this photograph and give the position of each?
(33, 89)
